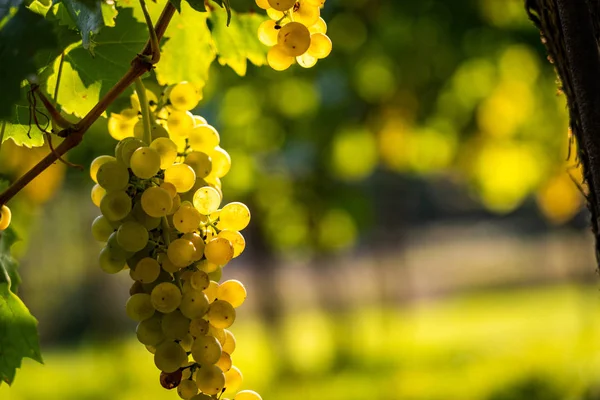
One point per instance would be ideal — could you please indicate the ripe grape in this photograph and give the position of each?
(206, 200)
(180, 123)
(194, 304)
(236, 239)
(166, 149)
(101, 227)
(139, 307)
(156, 202)
(140, 216)
(234, 216)
(198, 245)
(264, 4)
(224, 362)
(282, 5)
(166, 264)
(199, 327)
(146, 270)
(126, 148)
(318, 27)
(221, 314)
(210, 379)
(306, 13)
(211, 291)
(229, 345)
(184, 97)
(97, 163)
(279, 59)
(181, 252)
(169, 356)
(121, 126)
(166, 297)
(306, 60)
(200, 162)
(169, 187)
(247, 395)
(149, 331)
(113, 176)
(187, 219)
(109, 263)
(218, 251)
(187, 389)
(204, 138)
(294, 39)
(206, 350)
(320, 45)
(115, 205)
(199, 280)
(132, 236)
(169, 380)
(233, 292)
(233, 379)
(175, 325)
(182, 176)
(145, 162)
(221, 162)
(98, 193)
(267, 32)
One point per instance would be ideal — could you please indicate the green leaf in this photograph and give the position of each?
(187, 54)
(237, 42)
(18, 328)
(87, 77)
(90, 16)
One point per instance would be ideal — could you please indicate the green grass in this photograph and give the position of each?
(465, 347)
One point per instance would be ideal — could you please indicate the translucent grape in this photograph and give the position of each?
(113, 176)
(115, 205)
(219, 251)
(132, 236)
(187, 219)
(118, 252)
(221, 314)
(175, 325)
(109, 263)
(224, 362)
(229, 345)
(198, 244)
(211, 291)
(320, 45)
(145, 162)
(200, 162)
(169, 356)
(125, 150)
(318, 27)
(149, 331)
(199, 280)
(166, 264)
(217, 274)
(267, 32)
(156, 202)
(187, 342)
(181, 252)
(282, 5)
(166, 297)
(166, 149)
(264, 4)
(307, 14)
(176, 205)
(97, 194)
(294, 38)
(275, 14)
(206, 350)
(169, 187)
(121, 126)
(199, 327)
(182, 176)
(233, 292)
(194, 304)
(146, 270)
(218, 333)
(234, 216)
(207, 200)
(101, 228)
(187, 389)
(139, 307)
(306, 60)
(210, 379)
(184, 97)
(5, 217)
(221, 162)
(180, 123)
(247, 395)
(279, 59)
(140, 216)
(233, 379)
(204, 138)
(236, 239)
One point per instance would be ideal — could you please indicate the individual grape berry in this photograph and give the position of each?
(181, 252)
(194, 304)
(236, 239)
(199, 280)
(166, 297)
(149, 331)
(97, 194)
(279, 59)
(115, 205)
(207, 200)
(139, 307)
(206, 350)
(180, 124)
(199, 327)
(210, 379)
(218, 251)
(132, 236)
(233, 292)
(221, 162)
(109, 263)
(306, 60)
(169, 356)
(264, 4)
(166, 149)
(294, 39)
(186, 219)
(145, 162)
(306, 13)
(184, 96)
(198, 244)
(169, 187)
(282, 5)
(211, 291)
(121, 125)
(156, 202)
(113, 176)
(175, 325)
(320, 45)
(125, 149)
(170, 380)
(221, 314)
(229, 345)
(97, 163)
(318, 27)
(217, 333)
(200, 162)
(187, 389)
(224, 362)
(233, 379)
(267, 32)
(204, 138)
(182, 176)
(247, 395)
(101, 228)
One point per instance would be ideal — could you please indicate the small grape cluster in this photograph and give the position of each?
(161, 220)
(296, 33)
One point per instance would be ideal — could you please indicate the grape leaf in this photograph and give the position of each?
(187, 54)
(89, 16)
(200, 5)
(18, 328)
(87, 77)
(237, 42)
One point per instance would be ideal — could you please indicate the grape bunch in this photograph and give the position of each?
(296, 33)
(161, 219)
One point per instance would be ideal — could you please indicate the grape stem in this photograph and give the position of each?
(2, 129)
(141, 92)
(73, 134)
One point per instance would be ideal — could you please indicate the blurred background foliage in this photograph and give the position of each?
(417, 225)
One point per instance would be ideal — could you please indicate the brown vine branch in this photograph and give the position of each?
(74, 134)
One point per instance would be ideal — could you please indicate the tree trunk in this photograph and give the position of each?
(570, 32)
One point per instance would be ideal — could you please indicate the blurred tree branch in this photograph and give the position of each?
(570, 32)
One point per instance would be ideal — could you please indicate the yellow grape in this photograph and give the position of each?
(194, 304)
(156, 201)
(224, 362)
(199, 280)
(169, 187)
(166, 264)
(221, 314)
(318, 27)
(221, 162)
(247, 395)
(135, 101)
(198, 120)
(182, 176)
(294, 39)
(121, 126)
(211, 291)
(206, 350)
(146, 270)
(186, 219)
(279, 59)
(275, 14)
(267, 32)
(236, 239)
(113, 176)
(175, 325)
(187, 389)
(320, 45)
(264, 4)
(200, 162)
(169, 356)
(198, 327)
(233, 379)
(176, 204)
(101, 227)
(115, 205)
(181, 252)
(306, 13)
(97, 163)
(110, 263)
(218, 251)
(166, 297)
(229, 345)
(139, 307)
(145, 162)
(204, 138)
(306, 60)
(218, 333)
(281, 5)
(234, 216)
(198, 243)
(206, 200)
(132, 236)
(149, 331)
(98, 193)
(125, 149)
(140, 216)
(180, 123)
(184, 96)
(210, 379)
(233, 292)
(166, 149)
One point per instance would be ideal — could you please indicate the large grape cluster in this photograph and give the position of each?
(296, 33)
(161, 220)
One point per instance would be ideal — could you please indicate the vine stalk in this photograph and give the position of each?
(143, 99)
(141, 64)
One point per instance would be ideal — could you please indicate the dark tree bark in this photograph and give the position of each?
(570, 32)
